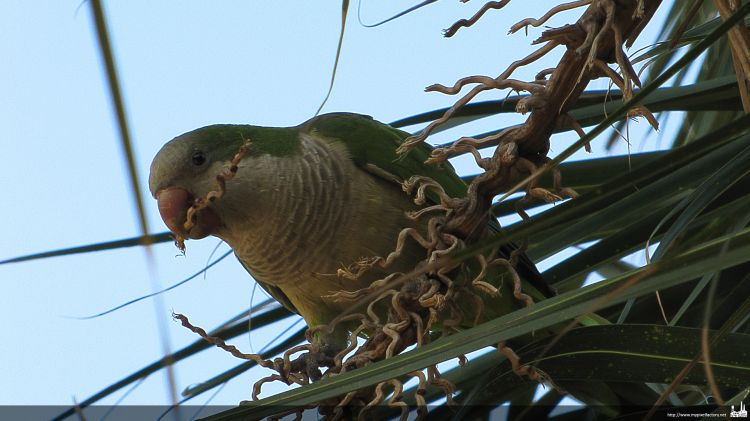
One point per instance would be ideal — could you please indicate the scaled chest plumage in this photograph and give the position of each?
(319, 213)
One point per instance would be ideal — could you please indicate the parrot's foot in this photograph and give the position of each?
(311, 361)
(302, 370)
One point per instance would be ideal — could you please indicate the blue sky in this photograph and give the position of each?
(184, 65)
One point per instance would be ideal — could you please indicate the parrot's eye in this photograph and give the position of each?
(198, 158)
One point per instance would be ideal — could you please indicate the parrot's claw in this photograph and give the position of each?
(309, 363)
(307, 366)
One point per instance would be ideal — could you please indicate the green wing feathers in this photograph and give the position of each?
(372, 142)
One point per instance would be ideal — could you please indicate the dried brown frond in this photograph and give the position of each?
(443, 295)
(524, 24)
(465, 23)
(739, 43)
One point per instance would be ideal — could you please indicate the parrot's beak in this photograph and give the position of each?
(174, 203)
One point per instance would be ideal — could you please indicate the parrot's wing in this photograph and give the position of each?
(273, 291)
(372, 143)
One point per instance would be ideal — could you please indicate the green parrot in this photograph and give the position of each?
(307, 201)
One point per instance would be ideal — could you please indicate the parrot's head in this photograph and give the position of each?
(185, 169)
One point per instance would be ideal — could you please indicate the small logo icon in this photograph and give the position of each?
(741, 413)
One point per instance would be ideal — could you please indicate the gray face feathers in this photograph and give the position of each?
(185, 158)
(185, 169)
